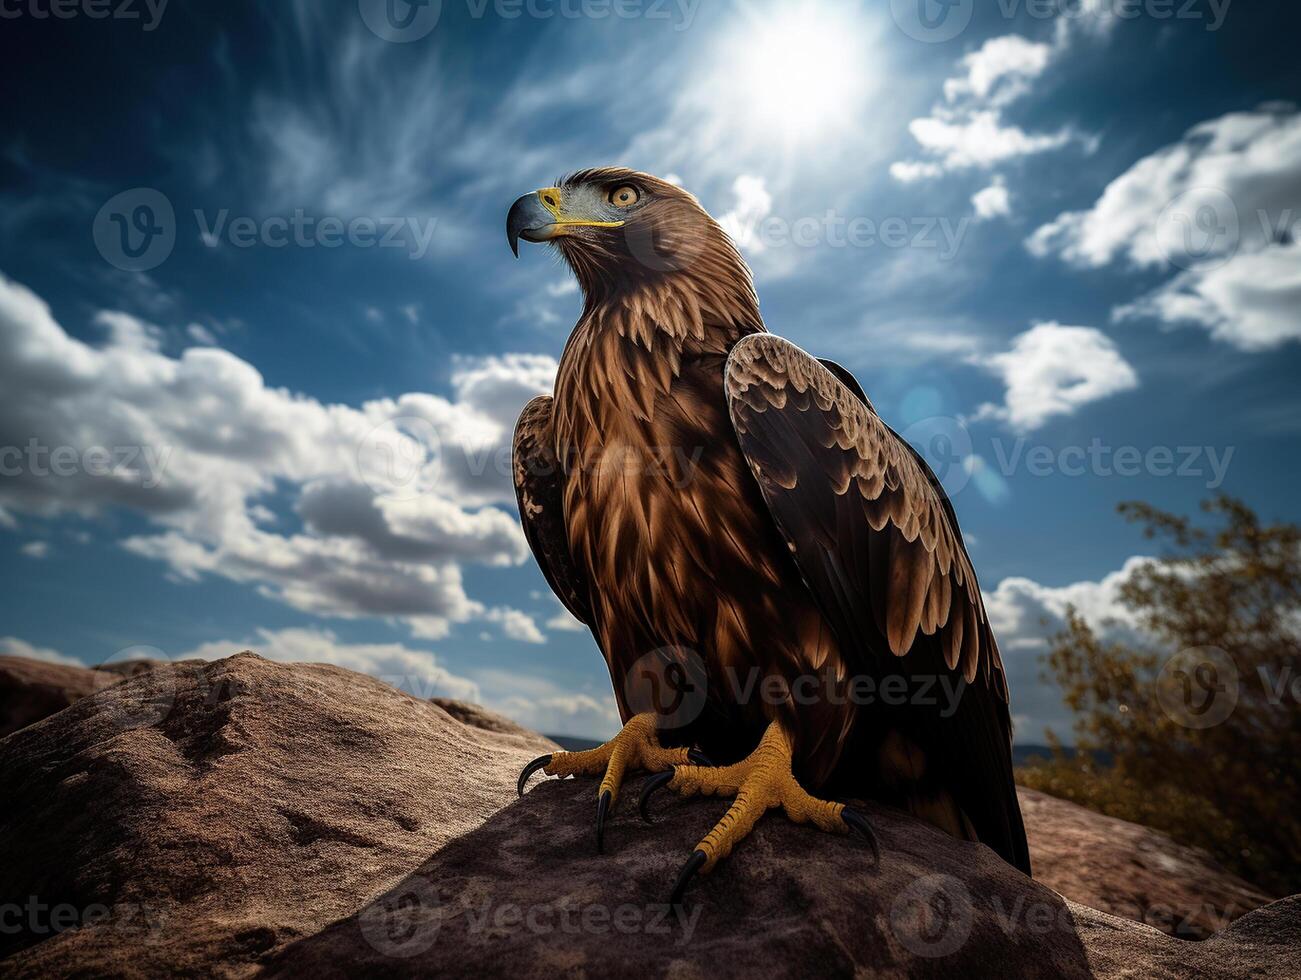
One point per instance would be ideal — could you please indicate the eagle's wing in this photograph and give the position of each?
(541, 507)
(877, 544)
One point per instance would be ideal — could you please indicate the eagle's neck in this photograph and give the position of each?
(630, 346)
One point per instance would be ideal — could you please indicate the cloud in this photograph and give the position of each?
(564, 621)
(415, 671)
(1251, 301)
(1025, 613)
(544, 706)
(1000, 71)
(516, 625)
(36, 549)
(993, 201)
(392, 495)
(753, 204)
(1182, 204)
(1221, 208)
(967, 130)
(11, 646)
(1054, 370)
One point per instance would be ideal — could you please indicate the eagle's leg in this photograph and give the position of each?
(636, 747)
(759, 782)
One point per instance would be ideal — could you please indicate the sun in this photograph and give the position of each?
(798, 71)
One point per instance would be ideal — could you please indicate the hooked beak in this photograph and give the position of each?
(540, 217)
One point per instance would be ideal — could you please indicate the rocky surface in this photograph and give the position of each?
(1131, 871)
(32, 689)
(243, 817)
(200, 817)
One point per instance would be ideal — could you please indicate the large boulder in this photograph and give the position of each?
(33, 689)
(198, 817)
(243, 816)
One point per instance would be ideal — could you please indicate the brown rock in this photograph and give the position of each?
(32, 689)
(204, 815)
(525, 894)
(243, 816)
(1130, 870)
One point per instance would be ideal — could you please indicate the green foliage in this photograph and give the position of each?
(1218, 599)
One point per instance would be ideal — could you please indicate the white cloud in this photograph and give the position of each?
(967, 130)
(389, 510)
(36, 549)
(1000, 71)
(516, 625)
(993, 201)
(1200, 198)
(1222, 206)
(564, 621)
(1251, 301)
(11, 646)
(1054, 370)
(415, 671)
(545, 706)
(753, 204)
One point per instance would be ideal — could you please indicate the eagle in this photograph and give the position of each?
(776, 580)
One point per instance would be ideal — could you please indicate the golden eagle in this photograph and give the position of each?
(710, 499)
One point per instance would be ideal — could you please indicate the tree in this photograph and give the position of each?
(1196, 713)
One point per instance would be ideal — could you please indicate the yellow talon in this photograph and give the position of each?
(759, 782)
(635, 748)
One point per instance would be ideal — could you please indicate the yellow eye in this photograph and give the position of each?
(625, 196)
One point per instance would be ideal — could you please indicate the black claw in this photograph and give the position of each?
(693, 865)
(859, 824)
(602, 808)
(652, 786)
(541, 762)
(698, 758)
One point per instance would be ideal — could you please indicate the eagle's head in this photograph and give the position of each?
(618, 228)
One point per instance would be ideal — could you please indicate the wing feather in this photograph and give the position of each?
(541, 507)
(878, 545)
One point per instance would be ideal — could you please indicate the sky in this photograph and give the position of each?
(263, 344)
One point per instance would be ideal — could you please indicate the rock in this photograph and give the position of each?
(525, 894)
(1130, 870)
(244, 817)
(199, 817)
(32, 689)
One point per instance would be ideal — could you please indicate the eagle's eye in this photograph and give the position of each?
(625, 196)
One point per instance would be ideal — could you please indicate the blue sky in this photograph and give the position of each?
(1056, 242)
